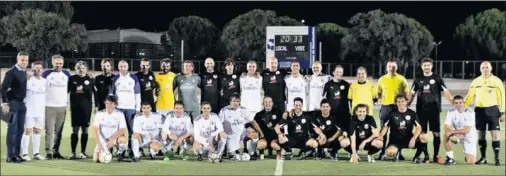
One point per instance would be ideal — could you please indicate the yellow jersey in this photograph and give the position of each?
(165, 99)
(362, 93)
(390, 86)
(488, 92)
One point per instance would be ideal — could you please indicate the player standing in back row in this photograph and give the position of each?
(103, 82)
(295, 86)
(317, 82)
(210, 83)
(187, 85)
(274, 85)
(490, 106)
(428, 89)
(336, 91)
(230, 83)
(165, 92)
(147, 82)
(251, 88)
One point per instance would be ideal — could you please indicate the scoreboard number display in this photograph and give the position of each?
(289, 43)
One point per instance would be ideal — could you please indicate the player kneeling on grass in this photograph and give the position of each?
(208, 134)
(177, 131)
(234, 117)
(363, 131)
(109, 129)
(333, 133)
(460, 128)
(147, 132)
(294, 132)
(401, 122)
(264, 124)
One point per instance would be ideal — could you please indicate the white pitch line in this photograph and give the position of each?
(279, 167)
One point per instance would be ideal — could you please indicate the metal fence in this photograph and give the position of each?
(448, 69)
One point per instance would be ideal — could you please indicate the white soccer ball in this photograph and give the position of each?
(105, 157)
(238, 157)
(245, 157)
(214, 157)
(455, 139)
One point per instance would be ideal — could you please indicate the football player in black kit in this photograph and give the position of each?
(401, 122)
(264, 124)
(148, 84)
(210, 87)
(336, 91)
(230, 83)
(336, 139)
(363, 132)
(103, 82)
(294, 131)
(81, 88)
(428, 89)
(273, 83)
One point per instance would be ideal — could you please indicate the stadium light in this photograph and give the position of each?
(303, 21)
(436, 44)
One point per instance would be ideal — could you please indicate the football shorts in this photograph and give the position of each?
(34, 122)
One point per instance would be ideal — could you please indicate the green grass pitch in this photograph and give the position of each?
(265, 167)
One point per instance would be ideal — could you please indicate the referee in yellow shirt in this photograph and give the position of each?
(490, 105)
(389, 86)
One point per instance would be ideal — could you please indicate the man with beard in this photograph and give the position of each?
(148, 84)
(230, 83)
(274, 85)
(103, 82)
(316, 83)
(210, 91)
(336, 91)
(165, 93)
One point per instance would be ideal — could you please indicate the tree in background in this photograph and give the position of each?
(330, 34)
(63, 8)
(483, 36)
(43, 33)
(199, 35)
(378, 37)
(244, 36)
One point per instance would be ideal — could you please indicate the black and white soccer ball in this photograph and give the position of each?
(105, 157)
(245, 157)
(214, 157)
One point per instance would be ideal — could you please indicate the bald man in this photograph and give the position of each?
(490, 106)
(274, 85)
(210, 85)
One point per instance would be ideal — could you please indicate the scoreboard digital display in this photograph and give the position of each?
(289, 43)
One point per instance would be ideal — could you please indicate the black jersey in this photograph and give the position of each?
(210, 90)
(337, 94)
(147, 84)
(428, 90)
(81, 89)
(362, 129)
(328, 125)
(274, 85)
(267, 120)
(230, 85)
(103, 84)
(303, 126)
(401, 124)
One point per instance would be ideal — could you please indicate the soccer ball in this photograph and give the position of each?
(214, 157)
(455, 139)
(238, 157)
(105, 157)
(245, 157)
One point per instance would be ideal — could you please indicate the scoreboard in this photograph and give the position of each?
(289, 43)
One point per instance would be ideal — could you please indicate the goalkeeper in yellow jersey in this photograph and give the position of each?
(165, 92)
(362, 91)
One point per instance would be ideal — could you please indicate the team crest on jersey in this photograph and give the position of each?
(86, 82)
(215, 76)
(432, 81)
(234, 76)
(328, 122)
(150, 77)
(274, 117)
(277, 72)
(342, 87)
(366, 126)
(408, 117)
(303, 121)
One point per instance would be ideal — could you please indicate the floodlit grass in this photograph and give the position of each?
(265, 167)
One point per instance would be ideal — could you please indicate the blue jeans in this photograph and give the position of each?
(15, 128)
(129, 116)
(384, 115)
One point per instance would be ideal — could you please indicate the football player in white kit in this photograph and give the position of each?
(35, 102)
(208, 133)
(460, 126)
(295, 86)
(177, 130)
(147, 130)
(234, 117)
(251, 90)
(316, 83)
(110, 129)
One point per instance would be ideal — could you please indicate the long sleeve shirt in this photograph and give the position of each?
(14, 85)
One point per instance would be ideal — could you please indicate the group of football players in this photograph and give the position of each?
(272, 110)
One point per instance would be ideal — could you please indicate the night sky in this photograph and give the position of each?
(441, 18)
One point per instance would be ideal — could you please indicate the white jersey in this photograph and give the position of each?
(316, 90)
(205, 129)
(35, 99)
(109, 124)
(127, 89)
(251, 91)
(460, 120)
(234, 120)
(295, 87)
(148, 125)
(177, 125)
(56, 88)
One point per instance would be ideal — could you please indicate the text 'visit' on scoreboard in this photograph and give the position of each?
(289, 43)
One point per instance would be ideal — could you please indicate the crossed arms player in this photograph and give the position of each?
(147, 131)
(177, 130)
(363, 133)
(294, 132)
(109, 129)
(208, 133)
(460, 124)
